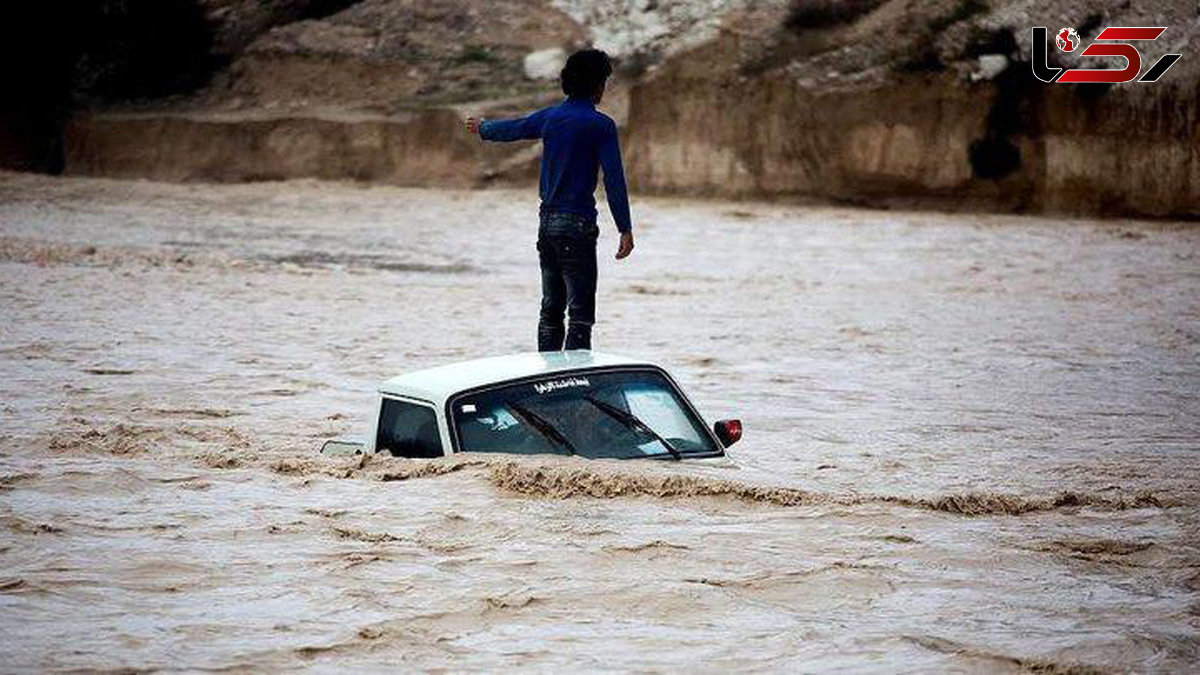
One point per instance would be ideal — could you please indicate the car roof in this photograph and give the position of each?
(438, 384)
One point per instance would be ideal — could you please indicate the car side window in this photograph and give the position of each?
(408, 430)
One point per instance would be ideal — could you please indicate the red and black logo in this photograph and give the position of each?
(1068, 41)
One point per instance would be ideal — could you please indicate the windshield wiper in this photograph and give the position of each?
(632, 421)
(539, 423)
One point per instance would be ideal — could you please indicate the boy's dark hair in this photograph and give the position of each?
(585, 71)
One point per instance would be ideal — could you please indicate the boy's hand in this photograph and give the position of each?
(626, 245)
(471, 124)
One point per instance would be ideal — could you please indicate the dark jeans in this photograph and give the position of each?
(567, 251)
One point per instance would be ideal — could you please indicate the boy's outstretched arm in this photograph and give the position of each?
(614, 188)
(523, 128)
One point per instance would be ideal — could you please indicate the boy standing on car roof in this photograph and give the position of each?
(577, 140)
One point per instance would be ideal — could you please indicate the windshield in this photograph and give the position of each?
(622, 415)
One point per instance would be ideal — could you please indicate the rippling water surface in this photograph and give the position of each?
(972, 441)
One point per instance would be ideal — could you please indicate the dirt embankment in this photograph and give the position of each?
(417, 148)
(953, 119)
(871, 102)
(370, 90)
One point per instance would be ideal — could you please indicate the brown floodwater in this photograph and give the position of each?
(973, 442)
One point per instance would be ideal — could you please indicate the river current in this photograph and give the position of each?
(972, 441)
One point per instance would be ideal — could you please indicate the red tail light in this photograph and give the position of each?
(728, 431)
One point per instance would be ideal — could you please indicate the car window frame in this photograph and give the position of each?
(452, 422)
(420, 403)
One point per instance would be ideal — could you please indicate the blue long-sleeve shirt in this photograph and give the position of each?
(577, 140)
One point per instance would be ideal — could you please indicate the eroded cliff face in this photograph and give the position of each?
(374, 89)
(873, 102)
(409, 149)
(945, 114)
(931, 139)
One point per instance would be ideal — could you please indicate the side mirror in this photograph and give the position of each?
(728, 431)
(343, 446)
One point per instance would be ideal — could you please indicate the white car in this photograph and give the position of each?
(565, 403)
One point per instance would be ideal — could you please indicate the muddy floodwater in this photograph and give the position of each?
(972, 442)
